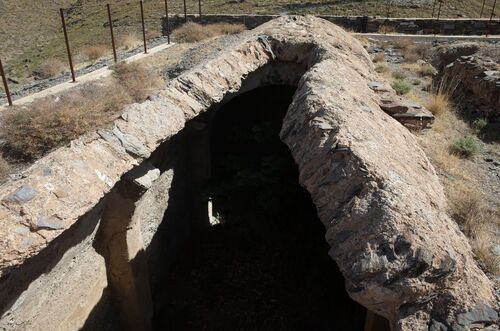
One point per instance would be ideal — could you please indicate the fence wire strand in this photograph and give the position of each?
(88, 26)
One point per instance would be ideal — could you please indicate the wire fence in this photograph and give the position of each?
(95, 31)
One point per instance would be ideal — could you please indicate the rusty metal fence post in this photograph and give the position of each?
(482, 8)
(199, 9)
(61, 11)
(493, 10)
(491, 17)
(185, 12)
(112, 34)
(167, 22)
(143, 28)
(439, 9)
(6, 86)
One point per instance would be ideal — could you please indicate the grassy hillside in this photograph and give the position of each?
(30, 31)
(25, 26)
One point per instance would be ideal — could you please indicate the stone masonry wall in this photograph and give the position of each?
(365, 24)
(375, 191)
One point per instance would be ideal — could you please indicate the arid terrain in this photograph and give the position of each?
(397, 170)
(463, 146)
(33, 47)
(472, 182)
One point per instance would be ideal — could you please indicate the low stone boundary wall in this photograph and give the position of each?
(448, 26)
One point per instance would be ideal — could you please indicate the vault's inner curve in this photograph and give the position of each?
(260, 261)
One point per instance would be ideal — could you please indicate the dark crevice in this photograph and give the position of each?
(266, 266)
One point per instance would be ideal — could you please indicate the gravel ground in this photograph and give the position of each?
(199, 53)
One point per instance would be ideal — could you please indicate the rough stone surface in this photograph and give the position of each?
(410, 114)
(62, 292)
(375, 191)
(481, 313)
(47, 223)
(474, 81)
(144, 175)
(23, 194)
(443, 55)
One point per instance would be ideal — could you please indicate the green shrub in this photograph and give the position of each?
(401, 86)
(399, 75)
(480, 124)
(416, 82)
(465, 147)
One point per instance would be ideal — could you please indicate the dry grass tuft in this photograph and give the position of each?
(399, 74)
(129, 41)
(138, 81)
(482, 238)
(363, 40)
(4, 169)
(382, 67)
(412, 52)
(476, 221)
(490, 262)
(469, 204)
(94, 53)
(194, 32)
(449, 83)
(49, 68)
(386, 29)
(379, 57)
(152, 34)
(402, 43)
(31, 131)
(410, 56)
(191, 32)
(226, 28)
(52, 122)
(426, 70)
(439, 104)
(411, 67)
(465, 207)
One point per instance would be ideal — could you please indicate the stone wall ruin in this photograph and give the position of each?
(363, 24)
(80, 224)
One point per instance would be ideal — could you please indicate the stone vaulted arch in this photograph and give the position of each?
(375, 191)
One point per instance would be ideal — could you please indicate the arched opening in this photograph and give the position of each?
(263, 263)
